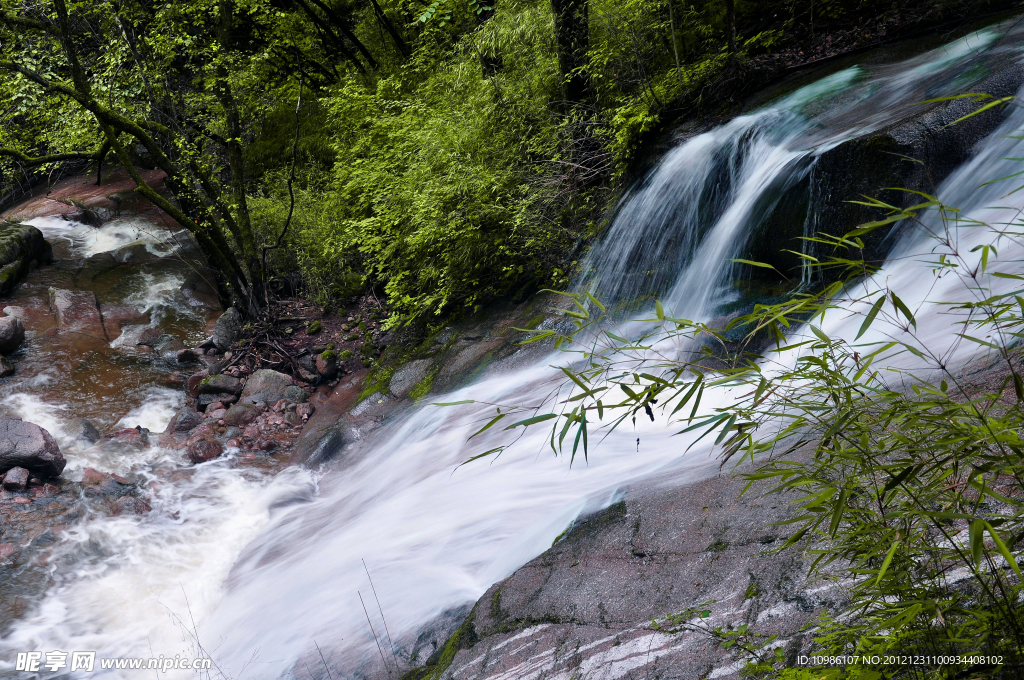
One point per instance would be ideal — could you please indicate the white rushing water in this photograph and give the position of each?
(262, 573)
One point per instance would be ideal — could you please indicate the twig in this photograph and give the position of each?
(322, 659)
(390, 641)
(386, 666)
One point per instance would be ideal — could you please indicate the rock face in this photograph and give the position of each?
(22, 247)
(29, 446)
(226, 329)
(78, 311)
(586, 605)
(265, 385)
(12, 334)
(406, 377)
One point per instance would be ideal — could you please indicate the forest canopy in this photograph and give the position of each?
(445, 154)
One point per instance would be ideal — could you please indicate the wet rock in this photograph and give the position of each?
(93, 477)
(304, 410)
(241, 414)
(224, 398)
(6, 367)
(84, 215)
(265, 385)
(199, 291)
(12, 334)
(217, 384)
(216, 411)
(83, 430)
(186, 356)
(7, 551)
(408, 376)
(133, 252)
(207, 344)
(203, 450)
(130, 505)
(295, 394)
(22, 247)
(293, 419)
(29, 446)
(184, 420)
(16, 479)
(233, 443)
(225, 332)
(77, 310)
(132, 436)
(150, 336)
(193, 382)
(116, 317)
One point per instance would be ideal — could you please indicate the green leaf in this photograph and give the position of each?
(488, 425)
(1004, 551)
(837, 514)
(871, 316)
(752, 263)
(888, 560)
(532, 421)
(977, 540)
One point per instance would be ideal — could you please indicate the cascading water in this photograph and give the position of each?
(264, 576)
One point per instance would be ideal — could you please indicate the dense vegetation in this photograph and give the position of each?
(446, 154)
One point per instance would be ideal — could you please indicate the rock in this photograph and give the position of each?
(83, 430)
(293, 419)
(217, 384)
(203, 450)
(225, 331)
(327, 365)
(241, 414)
(295, 394)
(224, 398)
(130, 505)
(207, 344)
(184, 420)
(116, 317)
(133, 252)
(12, 334)
(84, 215)
(77, 310)
(304, 410)
(93, 477)
(199, 292)
(16, 479)
(233, 443)
(408, 376)
(29, 446)
(265, 385)
(132, 436)
(150, 336)
(186, 356)
(7, 551)
(193, 382)
(216, 411)
(6, 367)
(313, 328)
(22, 247)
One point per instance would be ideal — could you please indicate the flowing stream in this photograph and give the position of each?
(265, 574)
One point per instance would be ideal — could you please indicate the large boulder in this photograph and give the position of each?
(29, 446)
(226, 330)
(12, 334)
(241, 414)
(265, 385)
(22, 247)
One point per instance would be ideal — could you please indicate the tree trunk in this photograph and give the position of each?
(730, 21)
(572, 39)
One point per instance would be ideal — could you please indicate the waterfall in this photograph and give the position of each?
(273, 572)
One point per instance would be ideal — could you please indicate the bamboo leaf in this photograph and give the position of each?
(888, 560)
(870, 317)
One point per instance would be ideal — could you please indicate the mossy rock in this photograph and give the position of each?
(313, 328)
(345, 355)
